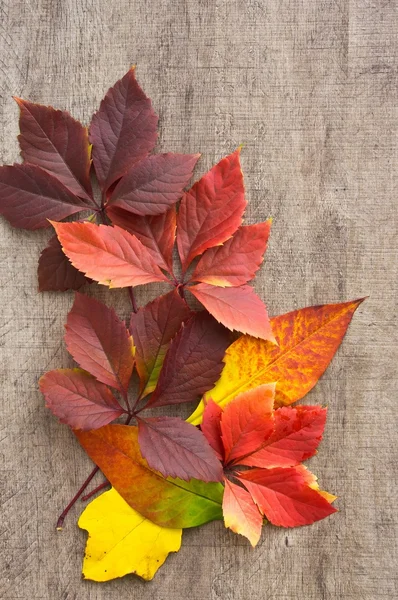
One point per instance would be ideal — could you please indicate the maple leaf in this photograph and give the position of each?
(55, 141)
(157, 233)
(237, 260)
(55, 272)
(152, 328)
(100, 342)
(167, 502)
(122, 541)
(307, 341)
(107, 254)
(153, 184)
(30, 196)
(123, 130)
(78, 399)
(193, 361)
(211, 211)
(287, 496)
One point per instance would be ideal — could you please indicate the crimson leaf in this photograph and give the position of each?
(55, 272)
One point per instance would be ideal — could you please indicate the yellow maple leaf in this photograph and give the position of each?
(122, 541)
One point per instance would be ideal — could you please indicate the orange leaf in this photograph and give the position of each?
(241, 515)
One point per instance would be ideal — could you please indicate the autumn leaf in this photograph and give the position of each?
(237, 260)
(297, 434)
(55, 272)
(177, 449)
(122, 131)
(211, 427)
(107, 254)
(151, 186)
(100, 342)
(167, 502)
(193, 361)
(247, 422)
(241, 515)
(78, 399)
(30, 196)
(283, 496)
(152, 328)
(237, 308)
(156, 233)
(307, 341)
(211, 211)
(56, 142)
(121, 541)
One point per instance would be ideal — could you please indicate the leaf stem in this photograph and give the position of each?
(64, 513)
(100, 487)
(132, 298)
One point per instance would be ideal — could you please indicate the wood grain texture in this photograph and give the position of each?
(310, 88)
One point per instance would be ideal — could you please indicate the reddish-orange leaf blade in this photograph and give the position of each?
(297, 434)
(237, 308)
(55, 272)
(29, 196)
(177, 449)
(237, 260)
(193, 361)
(247, 422)
(78, 399)
(211, 427)
(156, 233)
(107, 254)
(55, 141)
(284, 497)
(123, 131)
(211, 211)
(151, 186)
(153, 327)
(241, 515)
(99, 341)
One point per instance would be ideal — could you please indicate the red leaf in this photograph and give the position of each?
(152, 328)
(211, 211)
(284, 497)
(177, 449)
(237, 260)
(193, 362)
(156, 233)
(107, 254)
(297, 434)
(237, 308)
(99, 341)
(55, 141)
(151, 186)
(78, 399)
(241, 515)
(29, 196)
(211, 427)
(55, 272)
(247, 421)
(123, 131)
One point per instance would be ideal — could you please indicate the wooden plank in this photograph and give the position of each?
(310, 88)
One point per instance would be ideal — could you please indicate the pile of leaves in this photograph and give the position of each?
(239, 456)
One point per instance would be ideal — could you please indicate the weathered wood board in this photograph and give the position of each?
(310, 88)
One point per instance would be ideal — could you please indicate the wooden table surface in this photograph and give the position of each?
(310, 88)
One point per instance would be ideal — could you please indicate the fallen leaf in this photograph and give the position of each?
(55, 272)
(211, 427)
(241, 515)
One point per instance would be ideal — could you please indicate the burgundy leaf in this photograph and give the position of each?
(237, 308)
(211, 211)
(152, 328)
(99, 342)
(237, 260)
(123, 131)
(55, 141)
(78, 399)
(151, 186)
(55, 272)
(156, 233)
(177, 449)
(30, 196)
(193, 362)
